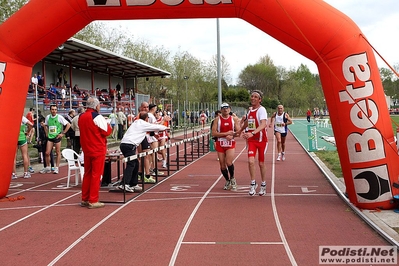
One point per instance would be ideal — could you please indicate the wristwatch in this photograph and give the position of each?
(253, 133)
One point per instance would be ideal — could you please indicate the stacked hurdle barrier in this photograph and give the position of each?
(180, 161)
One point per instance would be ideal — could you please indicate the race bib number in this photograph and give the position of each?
(251, 124)
(225, 143)
(52, 129)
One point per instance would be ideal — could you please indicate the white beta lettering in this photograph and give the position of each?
(176, 2)
(364, 114)
(359, 65)
(356, 66)
(2, 70)
(365, 147)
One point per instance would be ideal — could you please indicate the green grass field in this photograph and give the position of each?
(331, 159)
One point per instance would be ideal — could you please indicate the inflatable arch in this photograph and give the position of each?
(346, 64)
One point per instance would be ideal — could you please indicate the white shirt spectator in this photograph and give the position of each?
(34, 81)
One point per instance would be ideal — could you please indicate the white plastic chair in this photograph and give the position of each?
(73, 165)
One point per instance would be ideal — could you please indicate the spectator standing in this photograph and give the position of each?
(23, 146)
(192, 117)
(75, 128)
(281, 120)
(175, 118)
(308, 114)
(76, 89)
(152, 140)
(34, 82)
(42, 144)
(31, 117)
(183, 114)
(130, 141)
(60, 75)
(130, 118)
(55, 131)
(52, 92)
(85, 97)
(163, 135)
(145, 147)
(113, 121)
(121, 118)
(63, 96)
(70, 133)
(94, 130)
(203, 118)
(223, 129)
(256, 140)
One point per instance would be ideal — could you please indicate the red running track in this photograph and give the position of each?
(185, 219)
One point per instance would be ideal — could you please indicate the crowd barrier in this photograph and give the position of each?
(180, 153)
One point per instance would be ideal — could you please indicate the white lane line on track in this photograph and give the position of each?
(36, 212)
(63, 253)
(187, 225)
(275, 214)
(233, 243)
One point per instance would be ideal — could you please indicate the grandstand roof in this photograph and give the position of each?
(85, 56)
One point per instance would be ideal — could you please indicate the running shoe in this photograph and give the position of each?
(45, 170)
(84, 203)
(96, 205)
(156, 172)
(136, 188)
(252, 190)
(227, 185)
(279, 157)
(52, 168)
(14, 176)
(233, 183)
(30, 169)
(126, 188)
(27, 175)
(262, 190)
(283, 156)
(149, 180)
(55, 170)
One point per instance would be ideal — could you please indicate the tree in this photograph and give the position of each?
(302, 89)
(98, 34)
(224, 71)
(261, 76)
(9, 7)
(158, 56)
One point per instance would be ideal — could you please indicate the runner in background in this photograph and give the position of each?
(203, 118)
(281, 120)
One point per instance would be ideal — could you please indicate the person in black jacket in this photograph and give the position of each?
(41, 145)
(70, 134)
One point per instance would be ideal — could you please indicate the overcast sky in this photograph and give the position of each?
(243, 44)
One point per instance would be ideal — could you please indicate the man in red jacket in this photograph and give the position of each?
(94, 130)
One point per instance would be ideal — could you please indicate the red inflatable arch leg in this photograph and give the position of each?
(347, 67)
